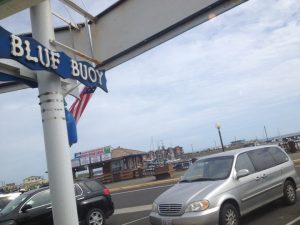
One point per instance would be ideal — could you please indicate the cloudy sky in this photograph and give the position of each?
(240, 69)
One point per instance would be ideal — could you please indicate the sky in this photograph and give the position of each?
(240, 69)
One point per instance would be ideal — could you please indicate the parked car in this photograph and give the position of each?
(94, 205)
(220, 188)
(6, 198)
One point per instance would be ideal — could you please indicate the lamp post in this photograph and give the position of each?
(218, 126)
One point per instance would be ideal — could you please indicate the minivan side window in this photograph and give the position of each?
(278, 155)
(244, 162)
(262, 159)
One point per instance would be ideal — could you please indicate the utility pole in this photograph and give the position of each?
(2, 183)
(266, 133)
(218, 126)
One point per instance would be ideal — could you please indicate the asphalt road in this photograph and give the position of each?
(133, 208)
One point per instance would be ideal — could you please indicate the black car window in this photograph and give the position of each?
(278, 155)
(39, 199)
(262, 159)
(15, 203)
(3, 202)
(244, 162)
(93, 185)
(78, 190)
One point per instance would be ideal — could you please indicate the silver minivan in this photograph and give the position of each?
(220, 188)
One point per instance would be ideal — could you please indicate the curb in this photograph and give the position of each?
(149, 184)
(157, 183)
(296, 161)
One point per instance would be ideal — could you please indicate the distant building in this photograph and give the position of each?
(114, 164)
(238, 143)
(165, 154)
(151, 155)
(11, 187)
(126, 159)
(178, 152)
(33, 182)
(108, 163)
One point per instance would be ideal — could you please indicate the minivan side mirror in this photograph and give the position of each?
(26, 207)
(242, 173)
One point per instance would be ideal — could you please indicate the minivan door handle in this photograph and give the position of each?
(264, 176)
(257, 178)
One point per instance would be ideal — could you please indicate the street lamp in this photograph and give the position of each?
(218, 126)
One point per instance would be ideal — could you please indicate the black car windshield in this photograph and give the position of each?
(14, 204)
(215, 168)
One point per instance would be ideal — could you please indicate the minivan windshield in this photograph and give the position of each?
(215, 168)
(14, 204)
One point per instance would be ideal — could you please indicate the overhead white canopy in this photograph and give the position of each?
(131, 27)
(10, 7)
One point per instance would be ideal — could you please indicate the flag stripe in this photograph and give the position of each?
(80, 104)
(81, 107)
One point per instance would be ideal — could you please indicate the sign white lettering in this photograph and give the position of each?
(35, 53)
(18, 51)
(86, 73)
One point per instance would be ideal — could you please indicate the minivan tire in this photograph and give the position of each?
(289, 193)
(95, 217)
(229, 215)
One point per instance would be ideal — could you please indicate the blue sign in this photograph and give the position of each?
(35, 56)
(10, 78)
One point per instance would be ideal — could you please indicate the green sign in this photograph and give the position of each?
(107, 150)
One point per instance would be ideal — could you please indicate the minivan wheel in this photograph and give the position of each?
(95, 217)
(289, 193)
(229, 215)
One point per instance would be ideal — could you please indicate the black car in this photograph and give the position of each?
(94, 206)
(6, 198)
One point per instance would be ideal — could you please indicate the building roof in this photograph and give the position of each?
(32, 177)
(121, 152)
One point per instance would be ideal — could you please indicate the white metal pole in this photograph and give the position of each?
(54, 126)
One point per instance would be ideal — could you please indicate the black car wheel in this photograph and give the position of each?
(229, 215)
(95, 217)
(289, 193)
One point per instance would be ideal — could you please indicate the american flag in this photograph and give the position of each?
(79, 105)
